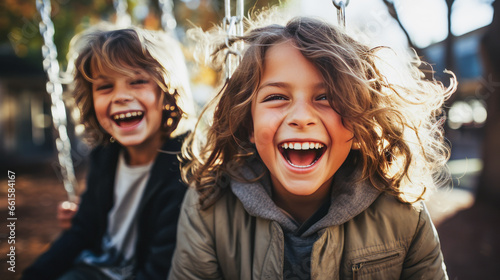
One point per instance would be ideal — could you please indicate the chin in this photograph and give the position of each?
(299, 189)
(130, 142)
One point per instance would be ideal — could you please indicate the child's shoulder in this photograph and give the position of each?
(386, 210)
(225, 207)
(389, 205)
(177, 141)
(225, 199)
(387, 223)
(387, 201)
(104, 151)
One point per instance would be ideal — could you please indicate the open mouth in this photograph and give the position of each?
(302, 154)
(126, 119)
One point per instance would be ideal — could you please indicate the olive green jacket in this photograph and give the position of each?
(388, 240)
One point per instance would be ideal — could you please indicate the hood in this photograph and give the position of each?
(349, 197)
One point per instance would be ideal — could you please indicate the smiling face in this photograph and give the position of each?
(129, 108)
(298, 135)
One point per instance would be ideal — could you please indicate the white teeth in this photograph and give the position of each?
(123, 116)
(300, 166)
(302, 145)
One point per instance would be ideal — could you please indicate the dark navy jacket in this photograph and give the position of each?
(158, 214)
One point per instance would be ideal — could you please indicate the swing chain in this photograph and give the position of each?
(233, 25)
(55, 90)
(341, 5)
(122, 17)
(168, 21)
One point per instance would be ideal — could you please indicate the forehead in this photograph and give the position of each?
(285, 63)
(99, 69)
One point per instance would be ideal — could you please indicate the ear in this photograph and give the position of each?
(355, 145)
(251, 138)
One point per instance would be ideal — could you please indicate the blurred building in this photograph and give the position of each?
(466, 113)
(25, 119)
(467, 62)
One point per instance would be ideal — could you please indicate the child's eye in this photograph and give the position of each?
(103, 86)
(139, 82)
(274, 97)
(322, 97)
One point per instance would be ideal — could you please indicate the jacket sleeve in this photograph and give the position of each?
(83, 234)
(160, 248)
(68, 246)
(195, 256)
(424, 259)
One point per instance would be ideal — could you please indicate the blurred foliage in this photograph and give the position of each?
(19, 20)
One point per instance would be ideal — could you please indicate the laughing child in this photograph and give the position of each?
(132, 88)
(315, 166)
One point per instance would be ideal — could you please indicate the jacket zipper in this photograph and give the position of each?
(355, 268)
(358, 266)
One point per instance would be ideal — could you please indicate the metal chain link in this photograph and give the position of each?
(233, 26)
(168, 21)
(341, 5)
(55, 90)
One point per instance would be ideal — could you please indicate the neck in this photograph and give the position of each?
(301, 207)
(144, 153)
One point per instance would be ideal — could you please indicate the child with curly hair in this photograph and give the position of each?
(315, 164)
(131, 86)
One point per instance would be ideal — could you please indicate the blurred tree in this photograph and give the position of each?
(19, 24)
(489, 181)
(391, 8)
(449, 60)
(19, 20)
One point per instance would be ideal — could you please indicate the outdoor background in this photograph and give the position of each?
(458, 35)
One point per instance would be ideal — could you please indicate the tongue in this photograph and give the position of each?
(301, 157)
(128, 122)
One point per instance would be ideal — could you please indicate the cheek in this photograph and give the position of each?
(154, 105)
(336, 126)
(99, 108)
(342, 137)
(266, 126)
(263, 136)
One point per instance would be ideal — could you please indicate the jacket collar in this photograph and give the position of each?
(165, 167)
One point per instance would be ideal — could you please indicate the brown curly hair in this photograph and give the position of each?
(107, 48)
(394, 113)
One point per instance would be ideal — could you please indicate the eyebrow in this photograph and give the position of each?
(100, 77)
(104, 77)
(283, 85)
(274, 84)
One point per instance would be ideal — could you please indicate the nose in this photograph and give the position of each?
(302, 115)
(121, 94)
